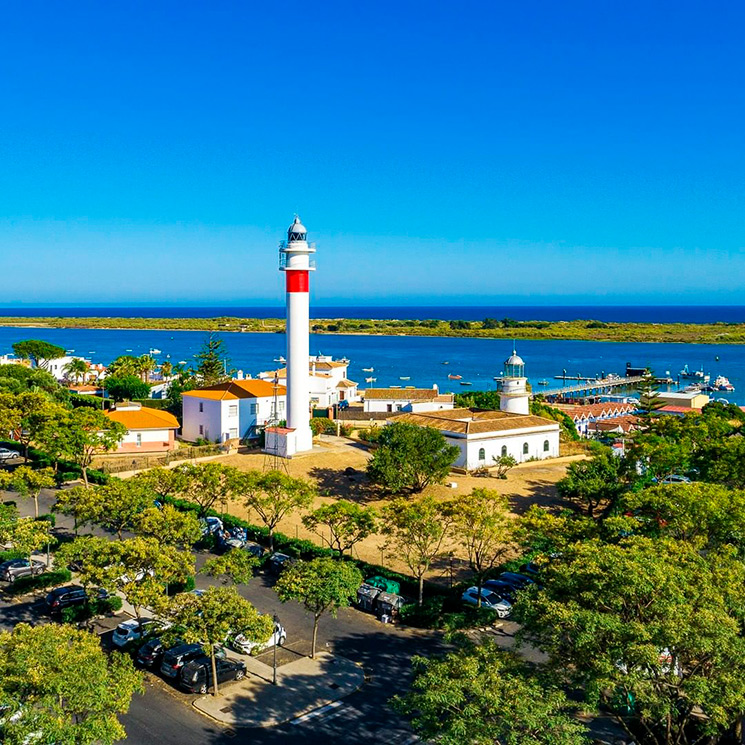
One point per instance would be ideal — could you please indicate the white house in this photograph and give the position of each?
(328, 381)
(148, 430)
(407, 399)
(233, 410)
(482, 436)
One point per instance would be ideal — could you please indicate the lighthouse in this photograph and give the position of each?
(295, 261)
(513, 395)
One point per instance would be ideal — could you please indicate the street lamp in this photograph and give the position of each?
(276, 642)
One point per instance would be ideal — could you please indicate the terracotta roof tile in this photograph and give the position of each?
(233, 389)
(401, 394)
(143, 418)
(475, 421)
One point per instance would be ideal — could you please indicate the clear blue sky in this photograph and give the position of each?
(439, 152)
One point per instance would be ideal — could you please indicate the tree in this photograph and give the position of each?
(36, 411)
(234, 566)
(126, 387)
(410, 458)
(62, 687)
(416, 530)
(649, 629)
(10, 415)
(597, 482)
(209, 618)
(122, 504)
(481, 523)
(342, 524)
(503, 463)
(168, 525)
(123, 365)
(52, 434)
(146, 366)
(209, 483)
(164, 483)
(166, 369)
(39, 352)
(482, 695)
(90, 432)
(76, 369)
(26, 534)
(80, 503)
(273, 494)
(322, 585)
(29, 483)
(212, 361)
(649, 396)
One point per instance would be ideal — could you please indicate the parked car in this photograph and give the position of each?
(279, 562)
(130, 631)
(531, 569)
(254, 548)
(69, 596)
(174, 659)
(6, 454)
(12, 569)
(150, 654)
(489, 600)
(503, 589)
(210, 525)
(138, 577)
(234, 537)
(245, 646)
(519, 581)
(196, 676)
(673, 479)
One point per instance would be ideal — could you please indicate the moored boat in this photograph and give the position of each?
(465, 382)
(368, 369)
(697, 375)
(370, 380)
(454, 377)
(722, 384)
(543, 382)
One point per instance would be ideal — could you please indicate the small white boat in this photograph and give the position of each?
(153, 350)
(368, 369)
(543, 382)
(465, 382)
(182, 362)
(127, 350)
(370, 380)
(69, 351)
(280, 359)
(405, 377)
(445, 362)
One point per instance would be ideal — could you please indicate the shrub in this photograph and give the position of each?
(24, 585)
(8, 555)
(48, 517)
(176, 587)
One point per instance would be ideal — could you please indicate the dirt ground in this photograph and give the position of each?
(525, 485)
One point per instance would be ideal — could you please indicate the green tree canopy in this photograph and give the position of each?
(594, 483)
(168, 525)
(212, 361)
(59, 684)
(409, 458)
(29, 483)
(481, 694)
(41, 353)
(76, 369)
(126, 387)
(208, 484)
(322, 585)
(122, 503)
(342, 524)
(82, 504)
(209, 618)
(90, 432)
(649, 628)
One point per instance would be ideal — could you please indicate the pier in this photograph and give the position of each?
(593, 386)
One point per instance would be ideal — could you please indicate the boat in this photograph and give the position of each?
(370, 380)
(280, 359)
(405, 377)
(698, 375)
(465, 382)
(693, 388)
(445, 362)
(722, 384)
(454, 377)
(368, 369)
(127, 350)
(153, 350)
(543, 382)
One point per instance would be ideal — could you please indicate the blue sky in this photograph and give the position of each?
(472, 152)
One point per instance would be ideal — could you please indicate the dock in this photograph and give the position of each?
(594, 386)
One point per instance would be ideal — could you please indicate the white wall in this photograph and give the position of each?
(214, 423)
(148, 436)
(404, 404)
(257, 411)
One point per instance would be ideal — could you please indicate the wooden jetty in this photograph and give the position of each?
(595, 386)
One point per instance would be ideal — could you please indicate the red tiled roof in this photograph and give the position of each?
(233, 389)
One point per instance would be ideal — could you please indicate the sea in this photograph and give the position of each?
(413, 360)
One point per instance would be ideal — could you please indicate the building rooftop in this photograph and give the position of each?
(235, 389)
(134, 416)
(406, 394)
(476, 421)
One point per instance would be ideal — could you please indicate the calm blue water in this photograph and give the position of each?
(636, 313)
(420, 358)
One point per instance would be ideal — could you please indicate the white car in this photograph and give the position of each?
(6, 454)
(129, 631)
(244, 646)
(139, 576)
(489, 600)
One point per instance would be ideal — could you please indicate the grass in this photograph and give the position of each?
(578, 330)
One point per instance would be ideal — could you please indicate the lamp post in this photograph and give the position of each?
(276, 642)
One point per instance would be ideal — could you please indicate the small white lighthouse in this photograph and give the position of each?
(513, 394)
(295, 262)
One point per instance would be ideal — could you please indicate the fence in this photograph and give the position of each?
(140, 462)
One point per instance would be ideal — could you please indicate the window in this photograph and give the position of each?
(233, 410)
(545, 446)
(281, 405)
(504, 451)
(525, 448)
(482, 454)
(201, 428)
(139, 439)
(201, 407)
(254, 408)
(233, 434)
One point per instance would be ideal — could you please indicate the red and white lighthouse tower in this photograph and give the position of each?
(295, 261)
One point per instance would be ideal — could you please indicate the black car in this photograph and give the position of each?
(69, 596)
(278, 562)
(519, 581)
(501, 588)
(174, 659)
(150, 653)
(196, 676)
(254, 549)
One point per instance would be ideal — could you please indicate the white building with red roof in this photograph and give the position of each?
(148, 430)
(232, 411)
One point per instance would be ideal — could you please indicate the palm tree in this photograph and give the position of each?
(146, 365)
(123, 365)
(76, 369)
(166, 369)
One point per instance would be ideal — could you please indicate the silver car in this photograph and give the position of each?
(12, 569)
(6, 454)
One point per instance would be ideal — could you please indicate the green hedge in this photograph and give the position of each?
(24, 585)
(446, 613)
(176, 587)
(66, 470)
(98, 607)
(8, 555)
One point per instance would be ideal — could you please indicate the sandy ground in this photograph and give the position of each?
(527, 484)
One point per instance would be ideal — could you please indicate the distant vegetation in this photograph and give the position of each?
(489, 328)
